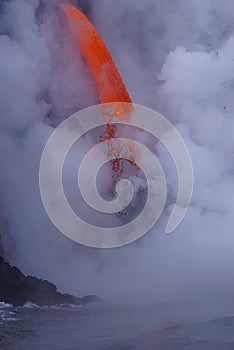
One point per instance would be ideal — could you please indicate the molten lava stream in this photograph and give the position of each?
(109, 84)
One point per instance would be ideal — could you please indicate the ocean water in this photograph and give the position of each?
(113, 327)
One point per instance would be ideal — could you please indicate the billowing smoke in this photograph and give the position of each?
(174, 56)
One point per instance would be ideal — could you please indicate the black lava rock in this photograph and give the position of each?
(17, 289)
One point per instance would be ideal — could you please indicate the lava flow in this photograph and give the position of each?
(109, 84)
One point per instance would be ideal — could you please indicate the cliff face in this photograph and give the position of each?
(1, 248)
(17, 289)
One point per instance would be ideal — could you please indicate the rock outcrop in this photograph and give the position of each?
(17, 289)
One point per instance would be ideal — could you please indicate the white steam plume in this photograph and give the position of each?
(175, 56)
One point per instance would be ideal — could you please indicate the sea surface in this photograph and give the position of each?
(200, 326)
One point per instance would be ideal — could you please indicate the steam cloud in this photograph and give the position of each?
(176, 57)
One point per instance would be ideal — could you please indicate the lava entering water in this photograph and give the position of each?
(108, 81)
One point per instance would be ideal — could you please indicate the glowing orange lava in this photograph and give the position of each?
(109, 84)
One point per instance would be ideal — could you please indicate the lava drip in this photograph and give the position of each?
(109, 84)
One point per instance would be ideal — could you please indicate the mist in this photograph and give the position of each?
(175, 57)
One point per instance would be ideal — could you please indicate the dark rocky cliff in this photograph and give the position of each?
(17, 289)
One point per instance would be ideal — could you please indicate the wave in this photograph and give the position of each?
(30, 305)
(6, 314)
